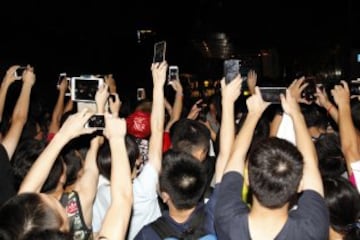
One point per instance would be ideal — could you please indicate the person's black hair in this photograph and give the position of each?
(355, 113)
(48, 234)
(342, 200)
(189, 135)
(275, 170)
(331, 158)
(104, 157)
(314, 116)
(26, 212)
(183, 178)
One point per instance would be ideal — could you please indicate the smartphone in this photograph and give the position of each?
(231, 69)
(272, 94)
(159, 51)
(63, 77)
(140, 94)
(83, 89)
(19, 71)
(173, 73)
(96, 121)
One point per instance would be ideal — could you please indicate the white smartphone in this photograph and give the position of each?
(83, 89)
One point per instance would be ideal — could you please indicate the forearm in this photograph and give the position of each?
(117, 217)
(177, 108)
(157, 127)
(21, 108)
(3, 91)
(348, 135)
(40, 169)
(332, 111)
(57, 113)
(242, 144)
(311, 174)
(227, 135)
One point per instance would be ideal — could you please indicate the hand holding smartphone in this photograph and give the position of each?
(19, 71)
(159, 52)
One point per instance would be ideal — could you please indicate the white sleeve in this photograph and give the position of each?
(286, 129)
(355, 166)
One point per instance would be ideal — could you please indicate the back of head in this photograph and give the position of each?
(189, 136)
(183, 178)
(27, 212)
(104, 157)
(48, 235)
(275, 171)
(314, 116)
(343, 199)
(331, 158)
(355, 114)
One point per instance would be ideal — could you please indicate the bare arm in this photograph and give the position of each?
(8, 79)
(323, 101)
(39, 171)
(59, 108)
(311, 175)
(20, 113)
(178, 104)
(256, 107)
(86, 186)
(118, 214)
(348, 136)
(157, 114)
(229, 94)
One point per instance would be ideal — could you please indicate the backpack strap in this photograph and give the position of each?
(164, 229)
(195, 230)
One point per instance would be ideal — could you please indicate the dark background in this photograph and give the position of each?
(98, 37)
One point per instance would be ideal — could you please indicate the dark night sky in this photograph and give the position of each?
(100, 36)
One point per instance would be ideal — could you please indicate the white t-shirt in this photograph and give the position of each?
(146, 207)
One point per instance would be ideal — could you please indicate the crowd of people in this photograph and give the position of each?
(169, 170)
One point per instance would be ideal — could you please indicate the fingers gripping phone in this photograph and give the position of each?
(19, 71)
(159, 51)
(63, 77)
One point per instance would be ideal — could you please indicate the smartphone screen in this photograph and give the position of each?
(96, 121)
(231, 69)
(84, 89)
(173, 73)
(19, 71)
(272, 94)
(140, 94)
(159, 51)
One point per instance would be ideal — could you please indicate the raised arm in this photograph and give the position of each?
(86, 185)
(117, 216)
(323, 101)
(229, 94)
(256, 106)
(20, 112)
(348, 136)
(178, 104)
(311, 174)
(157, 114)
(59, 107)
(39, 171)
(8, 79)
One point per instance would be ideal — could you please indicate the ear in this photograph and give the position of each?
(165, 197)
(301, 186)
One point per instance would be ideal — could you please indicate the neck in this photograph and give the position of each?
(333, 235)
(266, 222)
(180, 216)
(315, 131)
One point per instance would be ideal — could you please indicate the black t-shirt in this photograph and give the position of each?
(7, 189)
(310, 219)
